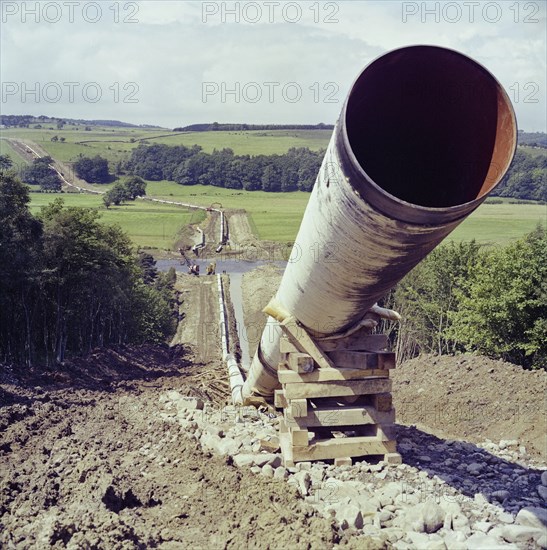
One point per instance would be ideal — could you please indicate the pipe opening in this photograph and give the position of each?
(430, 126)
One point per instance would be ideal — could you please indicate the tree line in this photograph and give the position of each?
(42, 174)
(295, 170)
(463, 298)
(69, 283)
(525, 179)
(241, 127)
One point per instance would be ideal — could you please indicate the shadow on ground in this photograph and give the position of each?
(470, 469)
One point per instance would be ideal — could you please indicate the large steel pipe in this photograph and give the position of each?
(424, 135)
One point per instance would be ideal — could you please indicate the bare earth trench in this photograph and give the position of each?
(106, 452)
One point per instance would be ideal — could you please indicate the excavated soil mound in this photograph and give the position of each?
(473, 398)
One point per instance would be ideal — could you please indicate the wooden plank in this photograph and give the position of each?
(300, 362)
(345, 461)
(386, 432)
(298, 408)
(287, 376)
(286, 346)
(358, 341)
(280, 402)
(362, 359)
(342, 447)
(337, 389)
(382, 402)
(338, 416)
(393, 458)
(299, 438)
(355, 342)
(283, 429)
(298, 336)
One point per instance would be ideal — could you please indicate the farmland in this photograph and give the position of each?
(150, 225)
(273, 216)
(115, 144)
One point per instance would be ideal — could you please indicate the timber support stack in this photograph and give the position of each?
(335, 396)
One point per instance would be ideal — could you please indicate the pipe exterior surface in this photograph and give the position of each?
(409, 160)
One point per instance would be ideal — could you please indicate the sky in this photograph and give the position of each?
(176, 63)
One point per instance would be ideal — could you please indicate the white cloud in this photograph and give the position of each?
(170, 52)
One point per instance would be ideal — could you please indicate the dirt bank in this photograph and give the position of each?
(199, 314)
(96, 466)
(473, 398)
(258, 288)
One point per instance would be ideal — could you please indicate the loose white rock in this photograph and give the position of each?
(506, 517)
(482, 526)
(480, 541)
(455, 540)
(244, 460)
(349, 516)
(433, 516)
(521, 533)
(303, 482)
(533, 517)
(281, 473)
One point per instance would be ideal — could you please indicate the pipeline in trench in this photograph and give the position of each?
(234, 372)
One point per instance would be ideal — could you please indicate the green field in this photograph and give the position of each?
(115, 144)
(274, 216)
(7, 149)
(277, 216)
(500, 223)
(149, 225)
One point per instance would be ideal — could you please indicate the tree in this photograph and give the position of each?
(20, 243)
(41, 173)
(69, 283)
(148, 266)
(92, 170)
(503, 303)
(128, 190)
(428, 297)
(5, 162)
(270, 179)
(136, 187)
(116, 195)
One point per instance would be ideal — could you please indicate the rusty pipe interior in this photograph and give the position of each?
(430, 126)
